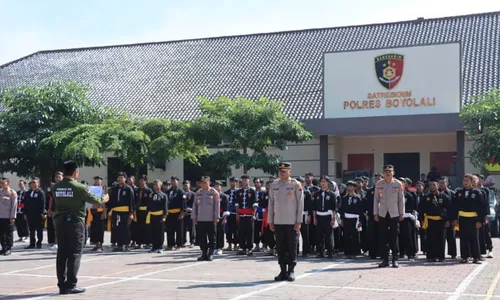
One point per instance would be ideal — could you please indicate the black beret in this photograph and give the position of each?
(97, 177)
(174, 178)
(388, 168)
(342, 185)
(186, 182)
(245, 176)
(324, 177)
(480, 176)
(166, 182)
(143, 177)
(365, 178)
(350, 182)
(285, 165)
(408, 181)
(420, 183)
(217, 182)
(205, 178)
(300, 179)
(402, 179)
(377, 174)
(70, 166)
(233, 179)
(358, 179)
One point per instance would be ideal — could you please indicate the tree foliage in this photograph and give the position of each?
(481, 120)
(31, 114)
(246, 125)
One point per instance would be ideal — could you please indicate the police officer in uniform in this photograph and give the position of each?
(286, 205)
(69, 222)
(206, 214)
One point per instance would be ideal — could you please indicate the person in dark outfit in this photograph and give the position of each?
(372, 227)
(267, 234)
(96, 219)
(246, 204)
(175, 218)
(224, 213)
(306, 220)
(450, 230)
(485, 242)
(8, 207)
(157, 211)
(324, 210)
(469, 217)
(121, 210)
(232, 225)
(351, 208)
(408, 230)
(311, 185)
(35, 213)
(434, 219)
(21, 224)
(50, 207)
(420, 196)
(206, 215)
(259, 214)
(141, 230)
(362, 193)
(69, 221)
(188, 221)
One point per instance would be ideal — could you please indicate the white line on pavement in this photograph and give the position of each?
(466, 282)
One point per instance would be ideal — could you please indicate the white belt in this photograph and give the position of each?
(353, 216)
(305, 213)
(325, 213)
(409, 215)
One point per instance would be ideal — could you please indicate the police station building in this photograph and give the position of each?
(372, 94)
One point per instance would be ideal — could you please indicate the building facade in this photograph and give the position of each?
(372, 94)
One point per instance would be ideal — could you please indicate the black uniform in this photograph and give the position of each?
(421, 232)
(245, 203)
(51, 231)
(267, 235)
(157, 208)
(435, 205)
(21, 223)
(372, 226)
(450, 231)
(175, 223)
(469, 201)
(121, 205)
(351, 209)
(304, 229)
(232, 224)
(312, 228)
(485, 242)
(363, 237)
(139, 229)
(188, 220)
(408, 231)
(259, 215)
(324, 206)
(224, 213)
(34, 209)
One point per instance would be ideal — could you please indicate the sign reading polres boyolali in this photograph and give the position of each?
(390, 82)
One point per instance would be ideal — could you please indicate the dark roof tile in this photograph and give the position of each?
(164, 79)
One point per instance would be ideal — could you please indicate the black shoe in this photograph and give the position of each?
(330, 255)
(7, 253)
(210, 257)
(250, 253)
(290, 276)
(384, 264)
(395, 264)
(476, 261)
(282, 276)
(202, 257)
(39, 246)
(2, 252)
(74, 290)
(30, 247)
(320, 256)
(242, 252)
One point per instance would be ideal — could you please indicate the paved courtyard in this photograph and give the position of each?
(30, 274)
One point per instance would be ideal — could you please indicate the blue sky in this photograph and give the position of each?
(28, 26)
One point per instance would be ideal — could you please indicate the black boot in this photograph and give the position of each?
(290, 273)
(203, 256)
(210, 255)
(282, 276)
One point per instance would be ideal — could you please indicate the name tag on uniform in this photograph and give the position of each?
(5, 198)
(35, 195)
(327, 197)
(440, 200)
(124, 193)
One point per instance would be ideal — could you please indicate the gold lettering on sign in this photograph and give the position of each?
(390, 100)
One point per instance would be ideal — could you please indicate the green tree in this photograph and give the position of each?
(132, 140)
(31, 114)
(481, 121)
(245, 125)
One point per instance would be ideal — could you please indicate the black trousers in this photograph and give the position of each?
(245, 233)
(435, 239)
(140, 230)
(157, 230)
(175, 230)
(36, 225)
(338, 239)
(451, 241)
(487, 236)
(232, 230)
(51, 232)
(188, 227)
(97, 228)
(286, 244)
(6, 234)
(388, 237)
(407, 237)
(363, 235)
(22, 226)
(206, 231)
(70, 239)
(373, 239)
(304, 232)
(86, 228)
(256, 232)
(121, 228)
(469, 240)
(485, 242)
(268, 238)
(312, 235)
(324, 234)
(352, 244)
(220, 235)
(423, 239)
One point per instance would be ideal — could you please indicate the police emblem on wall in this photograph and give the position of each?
(389, 69)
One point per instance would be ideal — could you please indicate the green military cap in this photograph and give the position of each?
(204, 178)
(284, 165)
